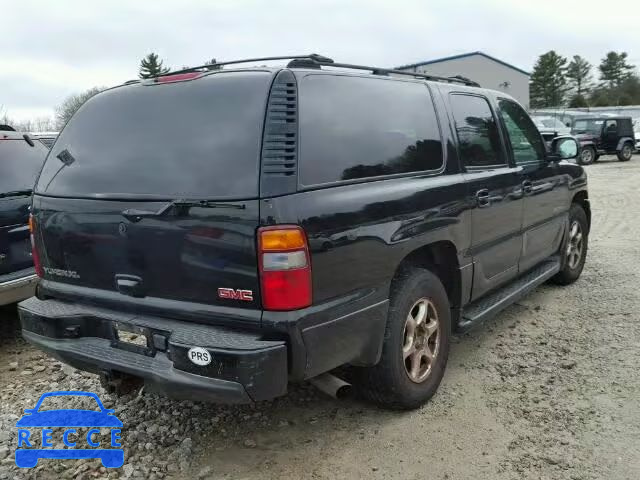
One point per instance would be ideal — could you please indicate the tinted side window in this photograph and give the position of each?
(525, 140)
(478, 137)
(354, 127)
(626, 127)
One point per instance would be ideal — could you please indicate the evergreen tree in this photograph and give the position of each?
(151, 66)
(579, 75)
(614, 69)
(627, 93)
(578, 101)
(211, 64)
(548, 81)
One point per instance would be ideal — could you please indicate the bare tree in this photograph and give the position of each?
(72, 103)
(38, 124)
(43, 124)
(4, 117)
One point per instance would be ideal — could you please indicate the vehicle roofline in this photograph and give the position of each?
(393, 77)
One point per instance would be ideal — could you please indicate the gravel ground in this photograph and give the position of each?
(547, 390)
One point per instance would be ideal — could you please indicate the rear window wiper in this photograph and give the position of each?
(135, 215)
(16, 193)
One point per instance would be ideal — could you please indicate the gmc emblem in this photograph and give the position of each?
(230, 293)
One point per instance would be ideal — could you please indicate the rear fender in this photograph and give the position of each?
(624, 140)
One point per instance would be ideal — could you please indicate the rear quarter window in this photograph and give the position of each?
(357, 127)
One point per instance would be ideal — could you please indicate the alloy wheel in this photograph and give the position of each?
(421, 340)
(575, 245)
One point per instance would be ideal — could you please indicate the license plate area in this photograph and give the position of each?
(132, 338)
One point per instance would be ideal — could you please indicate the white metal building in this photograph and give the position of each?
(484, 69)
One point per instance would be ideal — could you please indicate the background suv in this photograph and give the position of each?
(296, 219)
(20, 161)
(604, 135)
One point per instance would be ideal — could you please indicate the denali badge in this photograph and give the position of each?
(230, 293)
(199, 356)
(61, 273)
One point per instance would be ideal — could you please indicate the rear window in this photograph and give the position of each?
(195, 139)
(355, 127)
(20, 164)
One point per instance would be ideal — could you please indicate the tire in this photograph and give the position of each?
(389, 383)
(587, 156)
(625, 154)
(572, 262)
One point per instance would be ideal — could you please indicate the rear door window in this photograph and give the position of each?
(195, 139)
(355, 127)
(19, 164)
(479, 141)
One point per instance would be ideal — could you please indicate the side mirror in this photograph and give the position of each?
(564, 148)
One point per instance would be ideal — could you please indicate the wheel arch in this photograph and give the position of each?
(582, 199)
(624, 140)
(441, 258)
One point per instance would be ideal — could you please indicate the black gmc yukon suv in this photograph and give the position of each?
(222, 233)
(21, 159)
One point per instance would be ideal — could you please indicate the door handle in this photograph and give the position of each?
(483, 198)
(527, 186)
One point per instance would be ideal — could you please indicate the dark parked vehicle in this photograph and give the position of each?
(604, 135)
(550, 127)
(293, 221)
(20, 161)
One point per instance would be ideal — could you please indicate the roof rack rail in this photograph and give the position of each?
(314, 57)
(314, 60)
(387, 71)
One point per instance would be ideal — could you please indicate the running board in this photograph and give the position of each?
(487, 307)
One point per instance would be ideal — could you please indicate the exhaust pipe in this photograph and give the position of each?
(332, 385)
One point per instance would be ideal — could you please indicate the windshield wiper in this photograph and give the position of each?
(16, 193)
(135, 215)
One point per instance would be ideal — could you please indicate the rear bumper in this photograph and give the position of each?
(243, 366)
(249, 362)
(17, 286)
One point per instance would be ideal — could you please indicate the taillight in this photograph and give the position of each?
(34, 252)
(285, 268)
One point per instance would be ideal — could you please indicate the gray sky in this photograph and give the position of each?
(51, 49)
